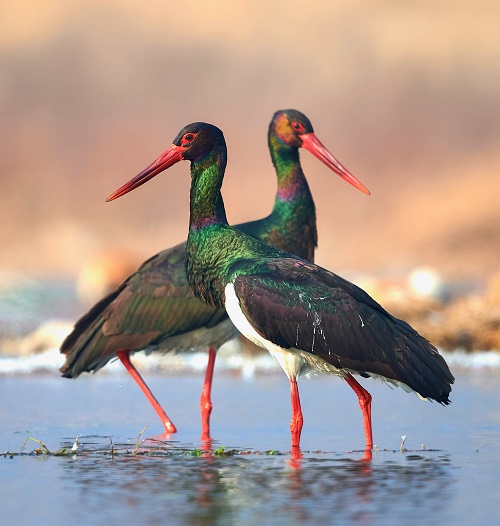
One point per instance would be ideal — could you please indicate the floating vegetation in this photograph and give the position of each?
(37, 451)
(150, 447)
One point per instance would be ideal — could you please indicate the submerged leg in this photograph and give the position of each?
(124, 357)
(365, 402)
(297, 419)
(205, 398)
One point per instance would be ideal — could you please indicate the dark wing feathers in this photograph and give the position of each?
(298, 304)
(150, 306)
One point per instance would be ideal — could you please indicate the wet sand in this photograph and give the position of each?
(453, 481)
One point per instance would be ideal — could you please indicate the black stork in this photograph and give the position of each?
(308, 318)
(155, 309)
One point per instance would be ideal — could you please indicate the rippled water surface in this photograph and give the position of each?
(246, 475)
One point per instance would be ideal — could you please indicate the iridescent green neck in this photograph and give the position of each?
(205, 247)
(207, 207)
(292, 184)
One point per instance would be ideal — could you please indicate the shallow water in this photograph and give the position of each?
(453, 480)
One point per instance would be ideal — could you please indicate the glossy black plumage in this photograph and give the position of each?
(296, 304)
(151, 309)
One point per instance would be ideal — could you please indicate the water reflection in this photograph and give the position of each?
(258, 488)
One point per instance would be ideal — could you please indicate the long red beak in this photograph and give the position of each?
(169, 157)
(311, 143)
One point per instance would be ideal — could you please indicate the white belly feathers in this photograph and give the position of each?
(293, 361)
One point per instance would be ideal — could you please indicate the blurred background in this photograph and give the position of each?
(405, 94)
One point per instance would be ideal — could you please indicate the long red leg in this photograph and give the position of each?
(297, 419)
(124, 357)
(205, 398)
(365, 402)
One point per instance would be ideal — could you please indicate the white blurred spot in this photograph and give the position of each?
(425, 281)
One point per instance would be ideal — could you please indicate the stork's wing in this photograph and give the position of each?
(151, 305)
(296, 304)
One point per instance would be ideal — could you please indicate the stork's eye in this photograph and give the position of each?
(298, 126)
(187, 138)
